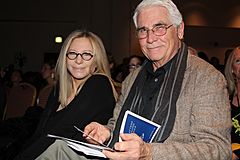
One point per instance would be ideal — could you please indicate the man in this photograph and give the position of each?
(173, 88)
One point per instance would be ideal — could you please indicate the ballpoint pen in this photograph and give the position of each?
(101, 144)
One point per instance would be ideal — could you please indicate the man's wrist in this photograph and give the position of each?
(147, 151)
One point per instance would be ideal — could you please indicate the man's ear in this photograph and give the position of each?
(180, 30)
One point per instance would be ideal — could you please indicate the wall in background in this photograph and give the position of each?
(210, 26)
(29, 27)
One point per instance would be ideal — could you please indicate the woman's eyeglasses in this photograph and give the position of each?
(85, 55)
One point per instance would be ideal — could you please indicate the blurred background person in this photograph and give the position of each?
(128, 65)
(16, 77)
(232, 73)
(203, 55)
(2, 98)
(135, 62)
(48, 72)
(48, 81)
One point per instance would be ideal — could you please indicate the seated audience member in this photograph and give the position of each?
(232, 73)
(216, 63)
(48, 74)
(134, 62)
(182, 93)
(33, 78)
(6, 74)
(203, 55)
(118, 74)
(15, 79)
(112, 63)
(83, 75)
(2, 98)
(112, 66)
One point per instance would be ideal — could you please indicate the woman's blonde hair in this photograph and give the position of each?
(228, 71)
(100, 64)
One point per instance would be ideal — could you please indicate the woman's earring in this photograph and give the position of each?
(52, 76)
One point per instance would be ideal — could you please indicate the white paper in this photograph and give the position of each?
(86, 148)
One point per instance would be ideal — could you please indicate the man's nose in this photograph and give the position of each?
(151, 37)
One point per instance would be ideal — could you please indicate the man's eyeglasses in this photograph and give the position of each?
(158, 30)
(85, 55)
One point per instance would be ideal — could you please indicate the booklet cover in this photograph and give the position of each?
(133, 123)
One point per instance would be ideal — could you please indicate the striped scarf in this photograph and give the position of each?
(165, 105)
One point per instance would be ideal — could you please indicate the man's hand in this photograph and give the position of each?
(131, 148)
(96, 131)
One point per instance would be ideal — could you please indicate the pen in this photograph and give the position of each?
(91, 137)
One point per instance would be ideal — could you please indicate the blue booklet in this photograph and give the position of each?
(133, 123)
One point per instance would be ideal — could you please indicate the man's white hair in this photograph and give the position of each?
(174, 14)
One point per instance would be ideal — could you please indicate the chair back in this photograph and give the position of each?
(19, 98)
(43, 95)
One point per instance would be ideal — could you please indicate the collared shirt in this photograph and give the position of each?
(151, 87)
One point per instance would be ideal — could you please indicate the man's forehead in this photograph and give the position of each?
(151, 15)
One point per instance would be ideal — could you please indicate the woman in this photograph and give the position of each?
(135, 62)
(15, 79)
(84, 93)
(129, 65)
(47, 73)
(232, 73)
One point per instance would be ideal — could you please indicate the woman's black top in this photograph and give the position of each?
(235, 133)
(95, 102)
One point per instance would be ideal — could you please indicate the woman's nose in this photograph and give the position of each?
(79, 59)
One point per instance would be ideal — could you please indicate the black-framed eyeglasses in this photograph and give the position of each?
(85, 55)
(158, 30)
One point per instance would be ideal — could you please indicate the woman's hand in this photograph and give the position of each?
(97, 131)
